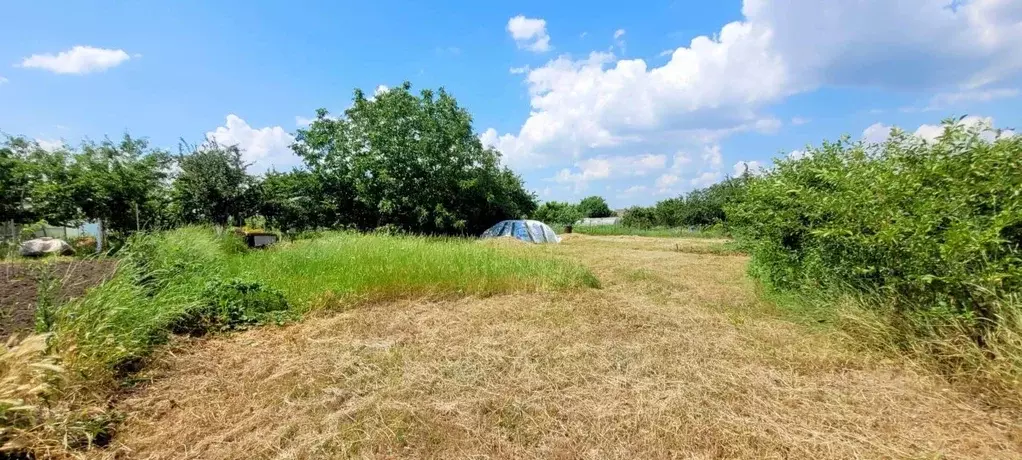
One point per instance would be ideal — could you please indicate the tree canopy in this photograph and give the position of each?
(411, 162)
(397, 160)
(594, 206)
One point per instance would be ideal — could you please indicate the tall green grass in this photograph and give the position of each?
(661, 232)
(349, 266)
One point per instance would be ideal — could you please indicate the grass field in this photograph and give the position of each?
(658, 232)
(676, 356)
(192, 281)
(343, 267)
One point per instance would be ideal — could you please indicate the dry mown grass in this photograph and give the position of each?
(674, 357)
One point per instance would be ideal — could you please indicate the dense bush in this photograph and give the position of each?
(233, 304)
(640, 217)
(933, 230)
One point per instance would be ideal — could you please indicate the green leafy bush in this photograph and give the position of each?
(557, 213)
(701, 208)
(933, 231)
(233, 304)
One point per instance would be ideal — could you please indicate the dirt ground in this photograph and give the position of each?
(675, 356)
(19, 283)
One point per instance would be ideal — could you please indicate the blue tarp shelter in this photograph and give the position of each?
(532, 231)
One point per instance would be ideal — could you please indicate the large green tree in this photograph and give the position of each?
(17, 174)
(296, 201)
(123, 183)
(412, 162)
(37, 184)
(213, 186)
(594, 206)
(557, 212)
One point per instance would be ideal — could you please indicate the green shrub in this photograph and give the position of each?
(932, 230)
(233, 304)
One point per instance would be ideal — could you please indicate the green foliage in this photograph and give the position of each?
(212, 186)
(557, 213)
(700, 208)
(412, 162)
(122, 183)
(399, 160)
(594, 206)
(231, 243)
(640, 217)
(297, 201)
(233, 304)
(934, 228)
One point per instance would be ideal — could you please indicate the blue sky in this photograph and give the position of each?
(633, 102)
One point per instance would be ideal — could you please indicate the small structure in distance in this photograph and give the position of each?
(594, 221)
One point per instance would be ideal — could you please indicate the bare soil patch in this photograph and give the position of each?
(19, 287)
(675, 357)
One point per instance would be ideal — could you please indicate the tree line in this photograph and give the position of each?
(701, 208)
(397, 160)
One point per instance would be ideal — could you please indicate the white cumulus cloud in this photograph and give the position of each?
(706, 179)
(879, 132)
(601, 168)
(77, 60)
(529, 33)
(3, 80)
(264, 148)
(752, 167)
(948, 99)
(666, 181)
(722, 83)
(50, 145)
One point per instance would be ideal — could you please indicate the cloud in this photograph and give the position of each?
(618, 41)
(706, 179)
(78, 60)
(634, 190)
(263, 147)
(302, 122)
(876, 133)
(3, 80)
(529, 33)
(879, 132)
(752, 167)
(798, 154)
(799, 121)
(519, 70)
(942, 100)
(721, 83)
(610, 167)
(50, 145)
(712, 156)
(665, 182)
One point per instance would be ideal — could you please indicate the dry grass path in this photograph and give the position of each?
(675, 357)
